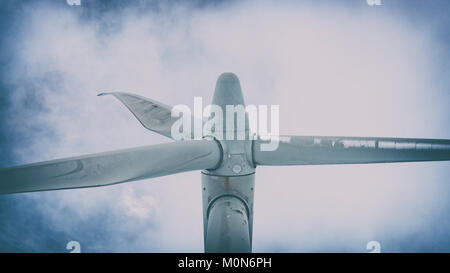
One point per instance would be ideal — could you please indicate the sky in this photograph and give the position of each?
(334, 67)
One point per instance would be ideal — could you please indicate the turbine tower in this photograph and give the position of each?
(227, 166)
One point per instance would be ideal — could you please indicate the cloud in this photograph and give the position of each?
(333, 70)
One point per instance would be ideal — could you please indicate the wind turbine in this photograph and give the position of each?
(227, 166)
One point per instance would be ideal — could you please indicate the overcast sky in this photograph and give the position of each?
(335, 68)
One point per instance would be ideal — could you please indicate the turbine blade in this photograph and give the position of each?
(111, 167)
(315, 150)
(153, 115)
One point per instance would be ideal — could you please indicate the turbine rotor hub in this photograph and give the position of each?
(237, 158)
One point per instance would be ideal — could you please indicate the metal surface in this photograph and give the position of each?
(237, 152)
(228, 163)
(314, 150)
(112, 167)
(228, 212)
(153, 115)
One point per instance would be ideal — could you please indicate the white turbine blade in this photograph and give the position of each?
(111, 167)
(153, 115)
(315, 150)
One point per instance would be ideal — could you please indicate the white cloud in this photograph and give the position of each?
(332, 71)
